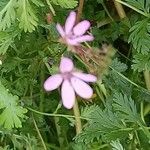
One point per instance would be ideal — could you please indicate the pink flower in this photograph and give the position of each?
(71, 81)
(74, 34)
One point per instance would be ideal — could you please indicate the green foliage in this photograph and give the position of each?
(141, 29)
(125, 107)
(11, 112)
(142, 5)
(116, 145)
(8, 15)
(22, 11)
(28, 19)
(110, 123)
(66, 3)
(141, 62)
(7, 39)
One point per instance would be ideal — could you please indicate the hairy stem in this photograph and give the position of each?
(147, 79)
(76, 107)
(39, 134)
(80, 9)
(120, 10)
(77, 117)
(147, 82)
(42, 77)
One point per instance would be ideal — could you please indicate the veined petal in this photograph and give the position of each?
(67, 94)
(81, 27)
(66, 65)
(84, 38)
(85, 77)
(70, 21)
(60, 30)
(53, 82)
(81, 88)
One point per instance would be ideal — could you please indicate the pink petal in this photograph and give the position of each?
(85, 77)
(83, 38)
(66, 65)
(70, 21)
(72, 42)
(60, 30)
(53, 82)
(81, 88)
(67, 94)
(81, 27)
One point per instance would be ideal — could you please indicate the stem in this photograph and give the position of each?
(147, 79)
(77, 117)
(51, 7)
(39, 134)
(76, 107)
(41, 91)
(134, 8)
(106, 10)
(142, 112)
(56, 115)
(120, 10)
(147, 82)
(80, 9)
(58, 128)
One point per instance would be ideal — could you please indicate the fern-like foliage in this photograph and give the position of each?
(66, 3)
(8, 15)
(11, 113)
(105, 124)
(22, 11)
(141, 62)
(125, 108)
(112, 122)
(7, 38)
(140, 36)
(116, 145)
(28, 19)
(142, 5)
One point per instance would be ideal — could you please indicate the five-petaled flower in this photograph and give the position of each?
(74, 34)
(72, 82)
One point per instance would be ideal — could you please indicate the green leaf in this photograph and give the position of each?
(7, 15)
(116, 145)
(11, 112)
(103, 124)
(141, 62)
(7, 38)
(141, 29)
(28, 18)
(118, 65)
(142, 5)
(66, 3)
(126, 108)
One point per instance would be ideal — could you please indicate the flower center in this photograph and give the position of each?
(67, 75)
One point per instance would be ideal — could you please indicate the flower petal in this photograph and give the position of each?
(70, 21)
(53, 82)
(72, 42)
(81, 27)
(66, 65)
(60, 30)
(81, 88)
(67, 94)
(83, 38)
(85, 77)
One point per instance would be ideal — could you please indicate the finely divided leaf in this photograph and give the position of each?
(7, 15)
(11, 112)
(140, 36)
(66, 3)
